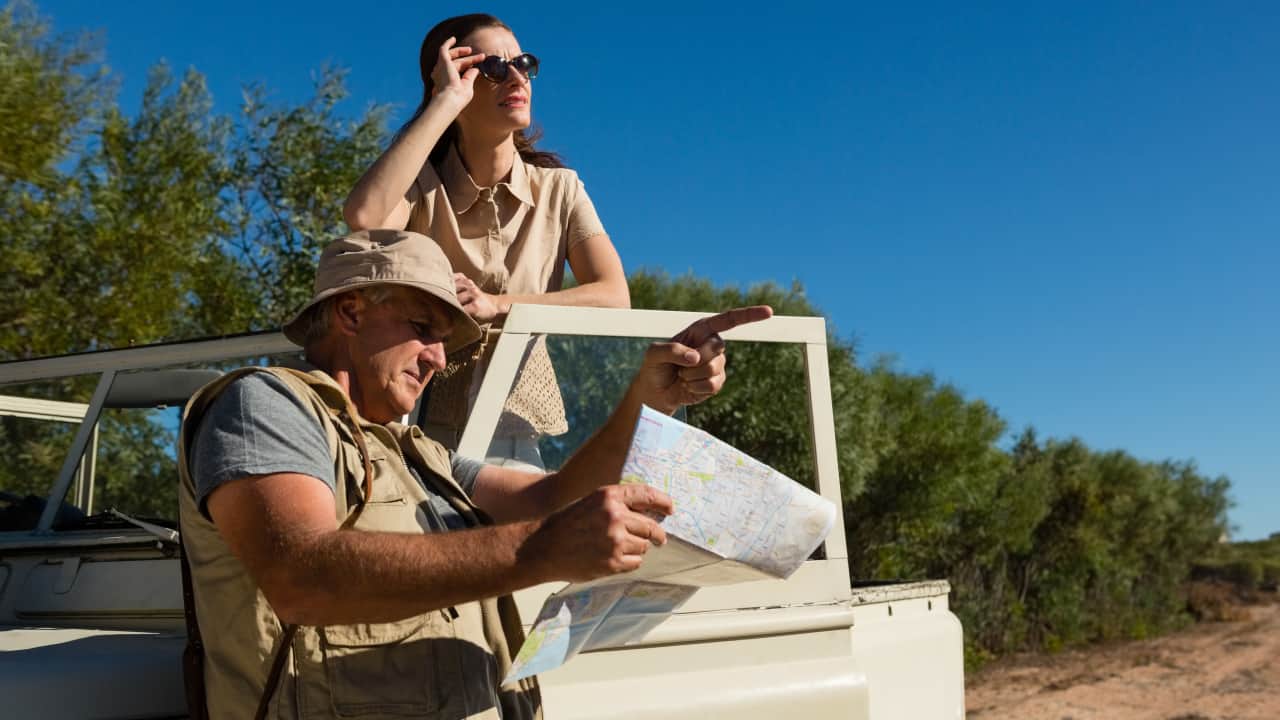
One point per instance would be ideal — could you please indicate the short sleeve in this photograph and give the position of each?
(465, 471)
(583, 221)
(257, 426)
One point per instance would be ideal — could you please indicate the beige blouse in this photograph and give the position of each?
(511, 238)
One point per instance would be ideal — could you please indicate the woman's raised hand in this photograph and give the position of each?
(455, 72)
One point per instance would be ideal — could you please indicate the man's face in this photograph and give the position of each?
(397, 346)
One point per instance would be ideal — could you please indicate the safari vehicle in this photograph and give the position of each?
(91, 609)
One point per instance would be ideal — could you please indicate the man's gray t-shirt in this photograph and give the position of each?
(257, 426)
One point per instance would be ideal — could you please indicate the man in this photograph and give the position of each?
(346, 566)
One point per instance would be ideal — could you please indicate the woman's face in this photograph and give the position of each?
(497, 107)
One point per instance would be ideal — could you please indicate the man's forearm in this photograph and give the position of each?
(346, 576)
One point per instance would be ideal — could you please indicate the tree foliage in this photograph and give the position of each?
(165, 222)
(169, 222)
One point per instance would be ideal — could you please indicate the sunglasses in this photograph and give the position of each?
(497, 70)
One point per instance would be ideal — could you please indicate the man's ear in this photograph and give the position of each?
(348, 311)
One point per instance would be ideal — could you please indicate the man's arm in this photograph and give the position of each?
(683, 371)
(282, 528)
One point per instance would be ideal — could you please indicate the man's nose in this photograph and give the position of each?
(433, 355)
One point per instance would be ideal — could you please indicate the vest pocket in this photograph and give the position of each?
(403, 668)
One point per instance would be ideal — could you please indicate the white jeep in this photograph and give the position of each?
(91, 608)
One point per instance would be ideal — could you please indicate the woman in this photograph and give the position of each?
(464, 171)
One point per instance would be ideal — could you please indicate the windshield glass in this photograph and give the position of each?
(763, 409)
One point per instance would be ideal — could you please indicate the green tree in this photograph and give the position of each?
(290, 170)
(168, 222)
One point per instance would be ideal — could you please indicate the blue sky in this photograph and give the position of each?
(1069, 211)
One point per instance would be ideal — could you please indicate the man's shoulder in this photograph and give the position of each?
(255, 383)
(261, 393)
(255, 424)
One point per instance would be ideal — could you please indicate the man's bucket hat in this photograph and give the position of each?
(387, 257)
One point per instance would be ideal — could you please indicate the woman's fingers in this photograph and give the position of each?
(462, 283)
(455, 61)
(445, 56)
(468, 60)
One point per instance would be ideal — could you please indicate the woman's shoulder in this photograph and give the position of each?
(554, 182)
(551, 174)
(429, 178)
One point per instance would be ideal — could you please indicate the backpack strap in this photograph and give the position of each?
(193, 651)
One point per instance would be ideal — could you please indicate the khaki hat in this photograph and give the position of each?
(387, 257)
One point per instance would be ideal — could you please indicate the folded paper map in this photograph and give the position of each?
(736, 519)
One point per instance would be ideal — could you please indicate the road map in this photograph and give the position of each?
(736, 520)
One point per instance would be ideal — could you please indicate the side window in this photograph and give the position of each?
(38, 422)
(135, 465)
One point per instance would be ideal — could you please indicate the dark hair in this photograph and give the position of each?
(460, 27)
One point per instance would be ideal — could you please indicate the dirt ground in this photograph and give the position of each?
(1210, 671)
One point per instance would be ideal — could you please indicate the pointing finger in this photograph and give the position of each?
(702, 330)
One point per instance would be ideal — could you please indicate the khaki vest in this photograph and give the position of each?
(443, 664)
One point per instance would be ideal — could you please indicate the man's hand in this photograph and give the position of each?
(479, 304)
(690, 367)
(604, 533)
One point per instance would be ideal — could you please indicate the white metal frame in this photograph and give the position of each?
(151, 356)
(828, 578)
